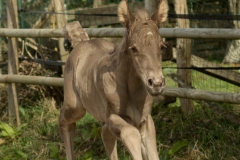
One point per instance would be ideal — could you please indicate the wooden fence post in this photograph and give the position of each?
(12, 21)
(1, 43)
(61, 22)
(184, 55)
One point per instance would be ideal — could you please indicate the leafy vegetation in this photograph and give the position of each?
(203, 135)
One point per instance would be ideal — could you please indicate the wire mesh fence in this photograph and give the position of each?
(207, 54)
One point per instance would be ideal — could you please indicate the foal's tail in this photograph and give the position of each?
(74, 34)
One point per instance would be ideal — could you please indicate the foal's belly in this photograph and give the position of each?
(94, 103)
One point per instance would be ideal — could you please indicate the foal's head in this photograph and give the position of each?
(145, 44)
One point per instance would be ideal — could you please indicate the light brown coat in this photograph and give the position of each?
(117, 86)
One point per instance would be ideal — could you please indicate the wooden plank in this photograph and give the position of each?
(200, 33)
(12, 21)
(184, 55)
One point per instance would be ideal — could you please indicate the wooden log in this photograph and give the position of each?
(168, 91)
(184, 55)
(35, 80)
(200, 33)
(202, 95)
(12, 21)
(31, 33)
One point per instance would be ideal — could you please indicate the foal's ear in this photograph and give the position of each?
(125, 16)
(160, 15)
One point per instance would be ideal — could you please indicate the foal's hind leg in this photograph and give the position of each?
(71, 112)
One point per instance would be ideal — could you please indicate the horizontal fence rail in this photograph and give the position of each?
(35, 80)
(205, 33)
(168, 91)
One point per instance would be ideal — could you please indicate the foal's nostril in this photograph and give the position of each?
(150, 82)
(156, 82)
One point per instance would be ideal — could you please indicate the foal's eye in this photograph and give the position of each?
(133, 49)
(162, 47)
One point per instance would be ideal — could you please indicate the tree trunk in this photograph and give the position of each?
(233, 49)
(61, 22)
(184, 55)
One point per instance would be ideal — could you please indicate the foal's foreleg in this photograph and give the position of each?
(129, 135)
(110, 143)
(148, 135)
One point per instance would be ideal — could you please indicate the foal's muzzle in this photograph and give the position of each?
(155, 85)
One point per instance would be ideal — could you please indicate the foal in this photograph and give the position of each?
(117, 86)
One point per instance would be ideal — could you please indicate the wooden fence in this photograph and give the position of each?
(118, 32)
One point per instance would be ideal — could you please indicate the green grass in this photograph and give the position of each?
(203, 135)
(36, 137)
(208, 135)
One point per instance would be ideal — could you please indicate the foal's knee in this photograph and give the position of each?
(71, 114)
(120, 128)
(130, 132)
